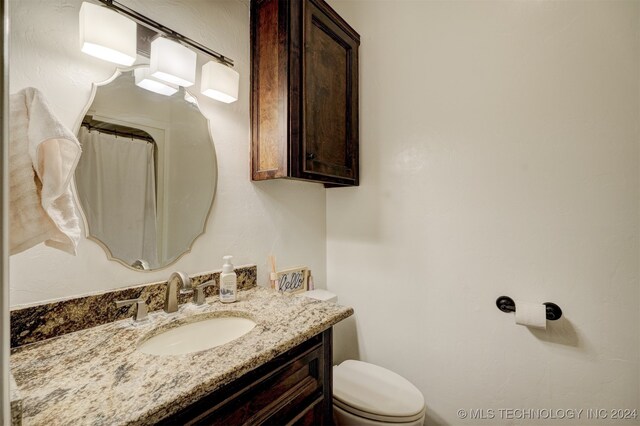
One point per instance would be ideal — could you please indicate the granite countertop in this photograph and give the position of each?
(15, 401)
(96, 376)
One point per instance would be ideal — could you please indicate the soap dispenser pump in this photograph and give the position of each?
(228, 281)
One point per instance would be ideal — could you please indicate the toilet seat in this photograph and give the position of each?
(377, 417)
(373, 392)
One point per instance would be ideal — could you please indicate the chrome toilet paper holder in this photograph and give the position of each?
(506, 304)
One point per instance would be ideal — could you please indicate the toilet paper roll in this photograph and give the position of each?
(531, 314)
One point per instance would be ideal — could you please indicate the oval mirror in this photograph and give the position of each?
(147, 175)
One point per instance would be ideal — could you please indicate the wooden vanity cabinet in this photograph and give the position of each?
(304, 93)
(293, 389)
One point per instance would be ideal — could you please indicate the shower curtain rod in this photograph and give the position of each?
(117, 133)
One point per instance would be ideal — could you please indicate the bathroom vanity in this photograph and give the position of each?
(293, 388)
(277, 373)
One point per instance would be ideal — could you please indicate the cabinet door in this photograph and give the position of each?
(294, 388)
(330, 96)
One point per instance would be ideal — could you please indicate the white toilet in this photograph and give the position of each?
(368, 395)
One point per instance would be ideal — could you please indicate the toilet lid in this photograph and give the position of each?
(369, 388)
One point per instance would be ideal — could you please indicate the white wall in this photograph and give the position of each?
(500, 155)
(248, 220)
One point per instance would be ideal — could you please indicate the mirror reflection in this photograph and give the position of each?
(147, 175)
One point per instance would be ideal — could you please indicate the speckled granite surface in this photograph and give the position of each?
(35, 323)
(96, 376)
(16, 402)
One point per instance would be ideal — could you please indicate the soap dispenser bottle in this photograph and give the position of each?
(228, 282)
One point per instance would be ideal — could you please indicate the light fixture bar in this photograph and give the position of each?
(165, 31)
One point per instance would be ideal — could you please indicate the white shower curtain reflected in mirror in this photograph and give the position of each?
(116, 178)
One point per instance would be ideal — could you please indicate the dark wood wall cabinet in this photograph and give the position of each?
(304, 93)
(292, 389)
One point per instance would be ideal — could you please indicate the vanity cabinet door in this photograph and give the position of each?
(329, 87)
(294, 388)
(304, 93)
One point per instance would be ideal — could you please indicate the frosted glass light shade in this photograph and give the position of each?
(145, 80)
(107, 35)
(219, 82)
(172, 62)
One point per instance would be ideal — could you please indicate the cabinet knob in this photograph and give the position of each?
(311, 156)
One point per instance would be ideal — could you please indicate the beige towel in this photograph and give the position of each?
(43, 155)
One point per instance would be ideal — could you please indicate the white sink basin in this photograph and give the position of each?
(197, 336)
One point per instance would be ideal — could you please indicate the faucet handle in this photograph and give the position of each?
(141, 307)
(198, 298)
(185, 282)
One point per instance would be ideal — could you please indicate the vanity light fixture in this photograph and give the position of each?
(107, 35)
(219, 82)
(172, 62)
(173, 56)
(145, 80)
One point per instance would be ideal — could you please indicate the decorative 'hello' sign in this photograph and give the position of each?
(292, 280)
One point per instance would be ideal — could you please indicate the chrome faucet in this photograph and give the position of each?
(171, 296)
